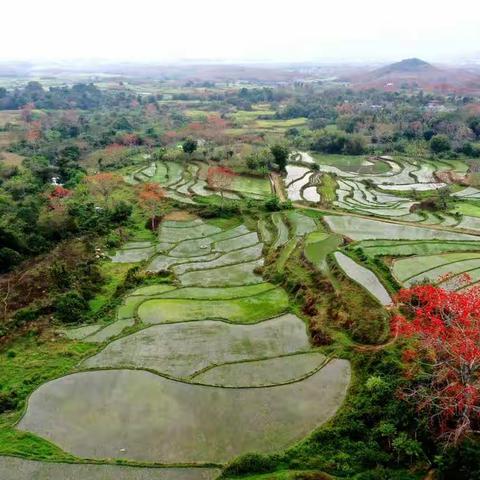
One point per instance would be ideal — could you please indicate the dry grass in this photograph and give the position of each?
(179, 216)
(7, 138)
(11, 159)
(10, 116)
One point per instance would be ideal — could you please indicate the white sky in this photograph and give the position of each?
(255, 30)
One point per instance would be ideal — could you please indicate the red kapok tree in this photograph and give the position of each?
(220, 178)
(150, 198)
(103, 184)
(444, 363)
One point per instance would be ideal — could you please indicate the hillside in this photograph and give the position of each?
(414, 72)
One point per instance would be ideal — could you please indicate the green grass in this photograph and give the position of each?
(245, 116)
(114, 273)
(242, 310)
(396, 248)
(285, 254)
(251, 185)
(327, 188)
(469, 208)
(318, 245)
(16, 443)
(280, 124)
(28, 363)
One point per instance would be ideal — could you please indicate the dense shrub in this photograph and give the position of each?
(250, 463)
(8, 259)
(8, 401)
(70, 307)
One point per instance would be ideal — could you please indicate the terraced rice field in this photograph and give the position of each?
(124, 413)
(12, 468)
(364, 277)
(200, 370)
(437, 268)
(358, 228)
(376, 186)
(182, 182)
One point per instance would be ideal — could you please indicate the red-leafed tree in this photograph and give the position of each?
(57, 196)
(150, 197)
(220, 178)
(27, 112)
(444, 364)
(103, 184)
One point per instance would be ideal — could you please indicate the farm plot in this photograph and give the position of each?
(230, 258)
(231, 275)
(240, 310)
(85, 414)
(12, 468)
(461, 281)
(181, 350)
(301, 224)
(395, 248)
(251, 185)
(182, 181)
(294, 189)
(133, 254)
(263, 373)
(358, 228)
(384, 174)
(310, 194)
(219, 368)
(201, 246)
(110, 331)
(248, 309)
(281, 237)
(434, 268)
(363, 277)
(318, 245)
(172, 234)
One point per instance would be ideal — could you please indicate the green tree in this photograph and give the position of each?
(280, 155)
(439, 144)
(189, 146)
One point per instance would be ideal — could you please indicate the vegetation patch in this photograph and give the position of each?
(241, 310)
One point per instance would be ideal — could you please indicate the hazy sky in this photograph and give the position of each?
(259, 30)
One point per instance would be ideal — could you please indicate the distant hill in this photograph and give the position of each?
(414, 72)
(409, 65)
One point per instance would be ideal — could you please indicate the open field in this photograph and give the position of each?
(203, 424)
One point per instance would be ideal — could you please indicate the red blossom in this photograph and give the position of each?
(445, 329)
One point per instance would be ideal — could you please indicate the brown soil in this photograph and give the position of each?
(179, 216)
